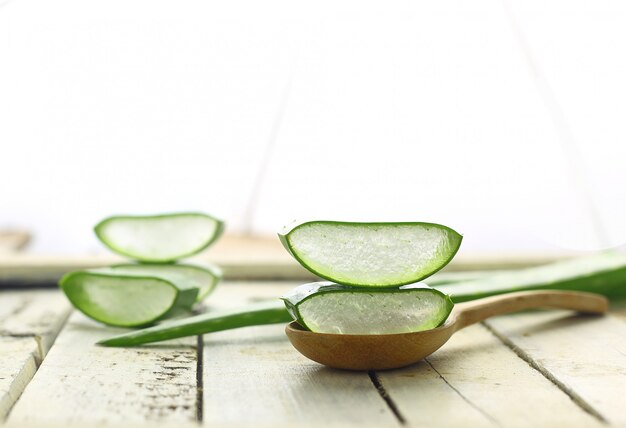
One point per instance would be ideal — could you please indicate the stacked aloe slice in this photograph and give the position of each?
(374, 271)
(155, 285)
(374, 309)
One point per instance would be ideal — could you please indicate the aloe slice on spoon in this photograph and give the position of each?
(126, 299)
(325, 307)
(602, 273)
(432, 308)
(371, 254)
(204, 276)
(159, 238)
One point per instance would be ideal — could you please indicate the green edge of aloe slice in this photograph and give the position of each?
(159, 238)
(325, 307)
(602, 273)
(371, 254)
(126, 299)
(204, 277)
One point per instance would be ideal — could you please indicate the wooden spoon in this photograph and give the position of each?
(390, 351)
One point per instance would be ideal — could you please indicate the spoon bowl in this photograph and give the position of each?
(368, 352)
(390, 351)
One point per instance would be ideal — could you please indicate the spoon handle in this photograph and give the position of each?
(472, 312)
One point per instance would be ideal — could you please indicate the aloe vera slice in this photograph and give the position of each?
(159, 238)
(204, 277)
(371, 254)
(603, 274)
(325, 307)
(126, 299)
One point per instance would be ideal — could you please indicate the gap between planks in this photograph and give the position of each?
(475, 380)
(584, 356)
(463, 377)
(254, 376)
(463, 397)
(248, 344)
(29, 325)
(199, 378)
(386, 397)
(156, 383)
(576, 398)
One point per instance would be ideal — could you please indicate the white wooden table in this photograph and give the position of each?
(549, 368)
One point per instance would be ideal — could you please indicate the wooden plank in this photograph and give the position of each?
(17, 368)
(95, 371)
(29, 324)
(254, 376)
(156, 383)
(476, 380)
(584, 356)
(79, 424)
(36, 313)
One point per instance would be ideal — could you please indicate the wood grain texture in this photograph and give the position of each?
(474, 380)
(36, 313)
(584, 356)
(81, 382)
(29, 324)
(17, 367)
(254, 376)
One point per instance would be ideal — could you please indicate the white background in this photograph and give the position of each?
(502, 119)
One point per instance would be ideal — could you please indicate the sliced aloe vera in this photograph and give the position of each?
(603, 273)
(126, 299)
(204, 277)
(325, 307)
(371, 254)
(159, 238)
